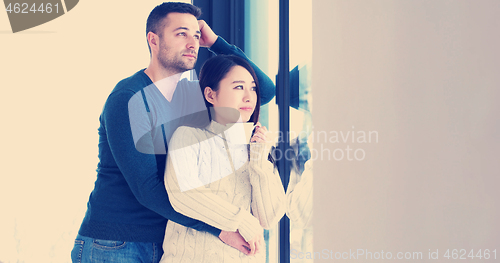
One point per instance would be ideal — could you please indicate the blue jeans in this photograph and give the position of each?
(91, 250)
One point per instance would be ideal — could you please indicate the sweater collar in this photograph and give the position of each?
(218, 128)
(232, 132)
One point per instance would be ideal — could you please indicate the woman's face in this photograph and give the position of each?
(236, 97)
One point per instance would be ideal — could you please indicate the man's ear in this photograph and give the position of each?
(153, 41)
(209, 95)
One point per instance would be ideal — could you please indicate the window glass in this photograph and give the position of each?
(261, 46)
(300, 185)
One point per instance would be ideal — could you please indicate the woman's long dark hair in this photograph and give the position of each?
(216, 68)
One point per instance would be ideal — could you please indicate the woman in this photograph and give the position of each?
(215, 178)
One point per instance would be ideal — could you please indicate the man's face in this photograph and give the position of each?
(179, 42)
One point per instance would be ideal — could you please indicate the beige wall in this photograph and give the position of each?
(424, 75)
(420, 73)
(55, 79)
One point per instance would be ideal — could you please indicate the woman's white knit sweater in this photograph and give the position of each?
(211, 176)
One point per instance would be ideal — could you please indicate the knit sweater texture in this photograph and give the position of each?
(212, 177)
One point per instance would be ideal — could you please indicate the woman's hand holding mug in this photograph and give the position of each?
(259, 135)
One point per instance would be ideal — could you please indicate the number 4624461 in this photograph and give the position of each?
(462, 254)
(24, 8)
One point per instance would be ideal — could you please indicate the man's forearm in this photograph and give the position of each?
(140, 169)
(267, 87)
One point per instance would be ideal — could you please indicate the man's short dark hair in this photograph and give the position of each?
(155, 22)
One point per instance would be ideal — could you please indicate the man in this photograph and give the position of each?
(129, 207)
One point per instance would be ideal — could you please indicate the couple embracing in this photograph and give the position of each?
(175, 181)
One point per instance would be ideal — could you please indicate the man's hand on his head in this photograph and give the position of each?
(208, 37)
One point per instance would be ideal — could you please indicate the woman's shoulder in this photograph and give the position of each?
(187, 131)
(186, 136)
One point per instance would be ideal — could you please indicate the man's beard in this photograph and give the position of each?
(175, 64)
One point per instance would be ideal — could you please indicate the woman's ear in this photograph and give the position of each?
(209, 95)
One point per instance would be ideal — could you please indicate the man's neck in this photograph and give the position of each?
(164, 80)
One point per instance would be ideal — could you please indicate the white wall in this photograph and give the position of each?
(424, 76)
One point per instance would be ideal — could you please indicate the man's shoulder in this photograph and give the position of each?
(126, 88)
(134, 83)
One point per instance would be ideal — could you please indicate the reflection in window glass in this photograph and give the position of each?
(299, 190)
